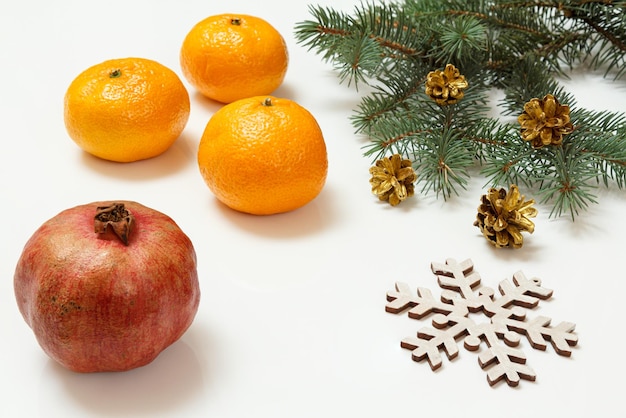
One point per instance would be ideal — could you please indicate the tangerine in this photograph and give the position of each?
(126, 109)
(263, 155)
(228, 57)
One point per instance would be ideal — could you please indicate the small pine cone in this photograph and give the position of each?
(503, 216)
(545, 121)
(446, 87)
(392, 179)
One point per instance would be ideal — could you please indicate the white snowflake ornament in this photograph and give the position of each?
(461, 295)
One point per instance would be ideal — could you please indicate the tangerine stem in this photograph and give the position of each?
(268, 102)
(235, 21)
(115, 73)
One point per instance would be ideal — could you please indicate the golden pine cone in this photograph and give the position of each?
(446, 87)
(392, 179)
(503, 216)
(545, 121)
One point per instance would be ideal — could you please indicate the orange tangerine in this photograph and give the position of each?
(263, 155)
(232, 56)
(126, 109)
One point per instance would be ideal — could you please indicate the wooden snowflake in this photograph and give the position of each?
(461, 295)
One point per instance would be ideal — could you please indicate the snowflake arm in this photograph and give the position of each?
(458, 277)
(430, 341)
(538, 330)
(420, 305)
(501, 361)
(523, 292)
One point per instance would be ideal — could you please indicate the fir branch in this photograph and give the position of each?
(531, 78)
(505, 157)
(602, 138)
(391, 29)
(360, 60)
(517, 46)
(392, 96)
(323, 34)
(373, 39)
(422, 130)
(604, 25)
(396, 136)
(565, 181)
(442, 163)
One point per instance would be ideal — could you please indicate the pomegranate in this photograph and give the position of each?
(107, 286)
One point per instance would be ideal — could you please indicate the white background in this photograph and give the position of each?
(292, 320)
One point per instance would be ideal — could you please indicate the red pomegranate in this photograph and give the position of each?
(107, 286)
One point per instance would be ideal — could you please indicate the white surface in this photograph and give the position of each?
(292, 320)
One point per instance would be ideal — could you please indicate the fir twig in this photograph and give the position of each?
(517, 46)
